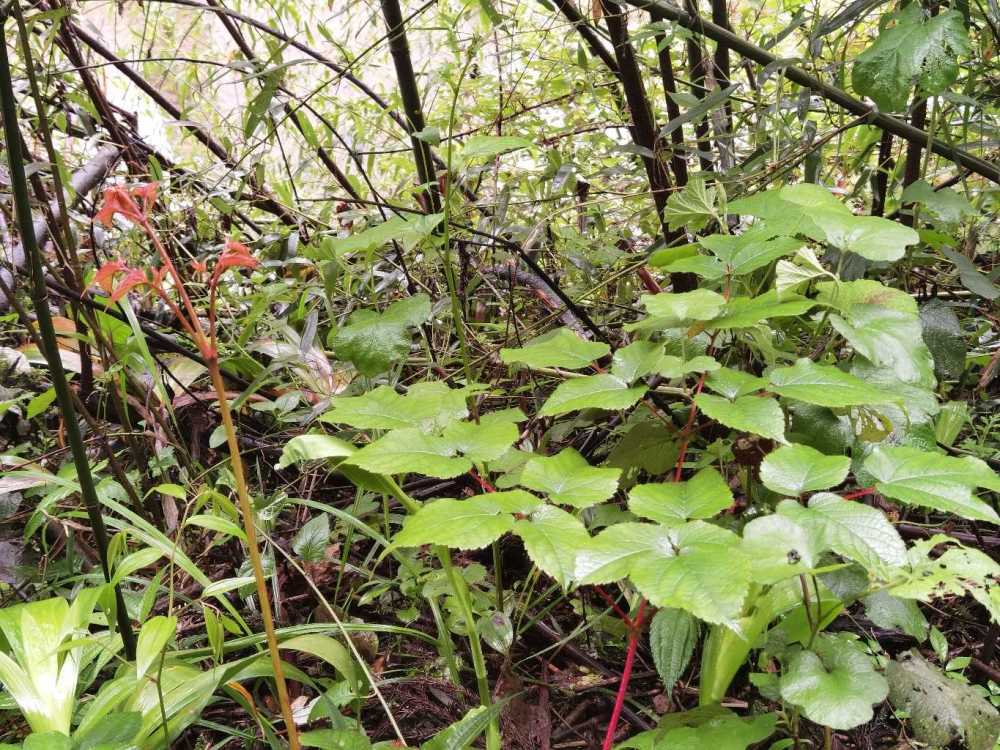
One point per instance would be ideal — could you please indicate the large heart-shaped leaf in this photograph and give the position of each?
(761, 416)
(552, 538)
(465, 524)
(672, 503)
(559, 348)
(796, 469)
(825, 385)
(568, 479)
(603, 391)
(373, 341)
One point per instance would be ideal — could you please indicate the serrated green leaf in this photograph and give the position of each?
(761, 416)
(888, 338)
(636, 360)
(914, 51)
(428, 406)
(568, 479)
(835, 683)
(406, 230)
(696, 567)
(825, 385)
(733, 383)
(711, 726)
(933, 480)
(778, 548)
(671, 503)
(853, 530)
(745, 253)
(482, 442)
(673, 309)
(745, 312)
(795, 469)
(559, 348)
(465, 524)
(944, 204)
(373, 341)
(409, 450)
(672, 637)
(603, 391)
(691, 207)
(895, 613)
(551, 538)
(844, 295)
(943, 335)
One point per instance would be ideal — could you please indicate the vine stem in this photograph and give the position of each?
(246, 510)
(633, 644)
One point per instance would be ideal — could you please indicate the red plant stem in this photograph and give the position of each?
(614, 605)
(686, 432)
(633, 643)
(859, 493)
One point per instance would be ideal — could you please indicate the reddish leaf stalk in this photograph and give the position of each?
(633, 644)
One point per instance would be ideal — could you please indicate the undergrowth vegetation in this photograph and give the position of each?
(500, 375)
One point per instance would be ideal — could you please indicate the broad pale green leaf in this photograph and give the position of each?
(559, 348)
(407, 230)
(844, 295)
(835, 684)
(915, 51)
(733, 383)
(672, 637)
(851, 529)
(671, 503)
(761, 416)
(551, 538)
(568, 479)
(933, 480)
(696, 567)
(313, 446)
(373, 341)
(114, 731)
(636, 360)
(888, 338)
(692, 207)
(205, 521)
(825, 385)
(745, 253)
(745, 312)
(428, 406)
(153, 638)
(409, 450)
(465, 524)
(335, 739)
(795, 469)
(955, 572)
(704, 727)
(603, 391)
(670, 309)
(671, 366)
(778, 548)
(482, 442)
(945, 204)
(943, 712)
(871, 237)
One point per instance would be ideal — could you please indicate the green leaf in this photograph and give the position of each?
(335, 739)
(888, 338)
(114, 731)
(972, 278)
(313, 446)
(328, 649)
(671, 503)
(215, 523)
(407, 230)
(734, 383)
(795, 469)
(465, 524)
(696, 567)
(568, 479)
(956, 572)
(851, 529)
(671, 366)
(933, 480)
(824, 385)
(558, 348)
(761, 416)
(551, 538)
(710, 726)
(742, 254)
(915, 51)
(40, 403)
(671, 310)
(945, 204)
(409, 450)
(691, 207)
(428, 406)
(482, 442)
(744, 312)
(373, 341)
(153, 637)
(871, 237)
(894, 613)
(309, 543)
(47, 741)
(835, 684)
(488, 146)
(844, 295)
(943, 712)
(778, 548)
(603, 391)
(466, 730)
(636, 360)
(672, 637)
(942, 333)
